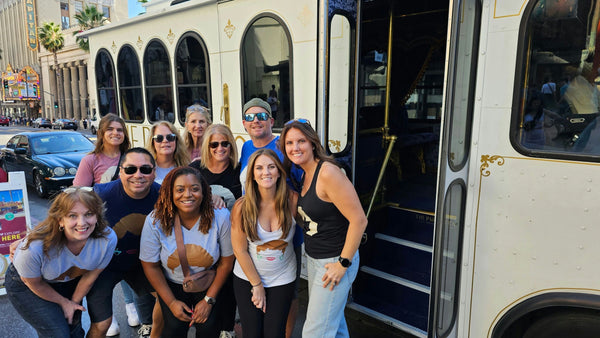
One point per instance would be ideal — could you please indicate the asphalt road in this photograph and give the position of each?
(12, 325)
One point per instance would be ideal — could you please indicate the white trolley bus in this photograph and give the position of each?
(467, 126)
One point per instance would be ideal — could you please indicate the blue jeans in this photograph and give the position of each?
(325, 313)
(47, 318)
(127, 292)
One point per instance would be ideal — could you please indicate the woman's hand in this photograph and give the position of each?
(69, 307)
(13, 247)
(218, 202)
(334, 274)
(259, 298)
(180, 310)
(201, 312)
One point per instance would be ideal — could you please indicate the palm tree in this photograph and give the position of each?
(52, 39)
(88, 18)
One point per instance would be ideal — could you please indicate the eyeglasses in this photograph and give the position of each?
(74, 189)
(305, 121)
(145, 169)
(159, 138)
(262, 116)
(224, 144)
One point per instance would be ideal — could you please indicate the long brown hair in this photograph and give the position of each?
(48, 231)
(164, 209)
(180, 155)
(251, 201)
(103, 127)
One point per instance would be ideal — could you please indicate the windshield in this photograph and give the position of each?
(54, 143)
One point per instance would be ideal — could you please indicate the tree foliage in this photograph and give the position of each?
(51, 37)
(88, 18)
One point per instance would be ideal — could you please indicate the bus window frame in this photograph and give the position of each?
(519, 90)
(146, 86)
(291, 60)
(207, 85)
(115, 88)
(351, 82)
(141, 86)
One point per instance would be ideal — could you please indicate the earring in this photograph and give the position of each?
(61, 228)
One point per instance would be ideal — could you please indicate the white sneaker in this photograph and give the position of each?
(113, 330)
(227, 334)
(132, 316)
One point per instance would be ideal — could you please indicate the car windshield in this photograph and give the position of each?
(55, 143)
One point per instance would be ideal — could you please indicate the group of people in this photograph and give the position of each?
(175, 220)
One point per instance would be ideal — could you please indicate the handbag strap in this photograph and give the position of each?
(181, 247)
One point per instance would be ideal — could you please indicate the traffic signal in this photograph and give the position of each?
(5, 84)
(35, 90)
(55, 104)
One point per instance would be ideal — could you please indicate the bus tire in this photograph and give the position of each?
(566, 323)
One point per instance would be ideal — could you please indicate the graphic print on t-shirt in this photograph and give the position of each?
(72, 273)
(196, 256)
(309, 225)
(271, 250)
(133, 223)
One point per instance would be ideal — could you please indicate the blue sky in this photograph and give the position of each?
(134, 8)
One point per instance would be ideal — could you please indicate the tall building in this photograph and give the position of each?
(21, 48)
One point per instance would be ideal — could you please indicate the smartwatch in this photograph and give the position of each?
(345, 262)
(210, 300)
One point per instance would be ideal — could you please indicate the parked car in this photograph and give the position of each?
(42, 122)
(64, 124)
(4, 121)
(49, 159)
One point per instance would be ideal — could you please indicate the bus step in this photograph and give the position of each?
(410, 224)
(400, 299)
(400, 258)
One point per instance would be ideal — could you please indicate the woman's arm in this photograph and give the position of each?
(239, 242)
(156, 277)
(43, 290)
(203, 309)
(85, 284)
(339, 190)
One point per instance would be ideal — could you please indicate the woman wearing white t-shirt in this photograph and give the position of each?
(59, 261)
(262, 230)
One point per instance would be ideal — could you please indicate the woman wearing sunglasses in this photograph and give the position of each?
(167, 148)
(100, 165)
(333, 222)
(197, 119)
(219, 166)
(185, 202)
(262, 232)
(57, 264)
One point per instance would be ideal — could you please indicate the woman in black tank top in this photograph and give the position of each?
(333, 220)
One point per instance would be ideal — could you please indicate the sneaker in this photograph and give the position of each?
(113, 330)
(144, 331)
(132, 316)
(227, 334)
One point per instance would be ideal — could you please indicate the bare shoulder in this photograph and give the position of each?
(331, 172)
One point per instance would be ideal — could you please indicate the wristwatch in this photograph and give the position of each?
(210, 300)
(345, 262)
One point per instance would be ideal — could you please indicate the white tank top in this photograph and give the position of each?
(273, 257)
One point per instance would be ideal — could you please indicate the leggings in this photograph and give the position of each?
(255, 323)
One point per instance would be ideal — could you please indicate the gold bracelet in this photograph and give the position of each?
(259, 284)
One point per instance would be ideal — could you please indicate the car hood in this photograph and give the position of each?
(65, 160)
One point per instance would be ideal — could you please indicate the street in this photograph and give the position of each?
(14, 326)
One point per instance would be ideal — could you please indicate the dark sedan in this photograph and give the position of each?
(49, 159)
(41, 122)
(64, 124)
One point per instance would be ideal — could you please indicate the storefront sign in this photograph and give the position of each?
(32, 40)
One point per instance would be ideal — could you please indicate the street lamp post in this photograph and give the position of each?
(52, 110)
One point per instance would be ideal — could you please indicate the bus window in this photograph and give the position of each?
(157, 72)
(130, 85)
(267, 66)
(558, 105)
(340, 58)
(193, 85)
(105, 83)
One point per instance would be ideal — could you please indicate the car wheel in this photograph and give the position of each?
(40, 188)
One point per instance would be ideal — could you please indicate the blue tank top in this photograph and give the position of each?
(324, 226)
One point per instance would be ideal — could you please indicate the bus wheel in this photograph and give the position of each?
(565, 324)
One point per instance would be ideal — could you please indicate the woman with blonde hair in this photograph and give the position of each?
(59, 261)
(197, 119)
(167, 148)
(262, 232)
(99, 166)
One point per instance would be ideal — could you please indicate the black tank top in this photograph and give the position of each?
(324, 225)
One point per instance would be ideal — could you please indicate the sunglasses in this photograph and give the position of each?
(74, 189)
(305, 121)
(224, 144)
(145, 169)
(262, 116)
(159, 138)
